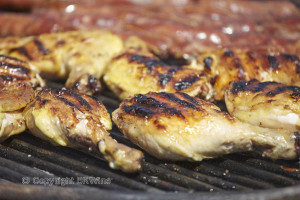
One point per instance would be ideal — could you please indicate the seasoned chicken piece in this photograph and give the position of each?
(136, 72)
(80, 56)
(265, 104)
(226, 66)
(176, 126)
(78, 120)
(16, 82)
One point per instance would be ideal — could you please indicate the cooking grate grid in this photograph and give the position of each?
(26, 158)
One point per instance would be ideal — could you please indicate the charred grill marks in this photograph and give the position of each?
(10, 78)
(272, 62)
(44, 102)
(207, 63)
(241, 86)
(68, 103)
(175, 99)
(164, 79)
(238, 87)
(294, 89)
(40, 46)
(144, 106)
(20, 68)
(23, 51)
(138, 110)
(237, 63)
(228, 54)
(189, 98)
(290, 57)
(148, 62)
(81, 100)
(151, 63)
(186, 83)
(11, 58)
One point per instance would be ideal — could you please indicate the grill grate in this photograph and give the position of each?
(26, 156)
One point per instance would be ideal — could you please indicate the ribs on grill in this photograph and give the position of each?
(179, 30)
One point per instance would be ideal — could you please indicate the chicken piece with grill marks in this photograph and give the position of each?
(226, 66)
(17, 80)
(176, 126)
(78, 121)
(137, 72)
(265, 104)
(77, 55)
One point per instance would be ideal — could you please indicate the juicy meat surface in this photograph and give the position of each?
(265, 104)
(136, 72)
(80, 56)
(176, 126)
(224, 66)
(78, 121)
(17, 80)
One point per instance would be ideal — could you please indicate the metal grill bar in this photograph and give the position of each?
(205, 178)
(276, 168)
(248, 171)
(213, 170)
(44, 165)
(84, 168)
(178, 178)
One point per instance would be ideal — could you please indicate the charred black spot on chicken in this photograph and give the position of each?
(273, 62)
(186, 82)
(41, 47)
(228, 53)
(207, 63)
(164, 79)
(290, 57)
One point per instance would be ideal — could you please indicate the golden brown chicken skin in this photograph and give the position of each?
(78, 121)
(265, 104)
(17, 80)
(226, 66)
(79, 56)
(137, 72)
(176, 126)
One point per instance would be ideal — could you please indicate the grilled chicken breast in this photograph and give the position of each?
(137, 72)
(176, 126)
(265, 104)
(78, 120)
(17, 80)
(226, 66)
(80, 56)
